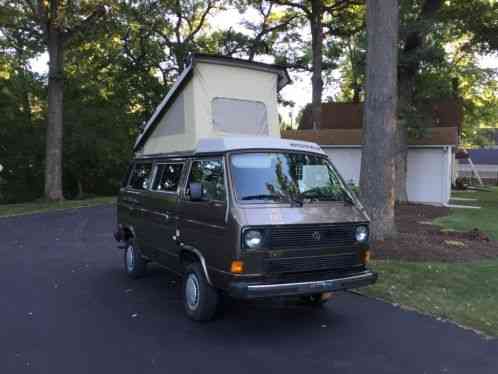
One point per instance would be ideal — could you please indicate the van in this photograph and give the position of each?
(244, 217)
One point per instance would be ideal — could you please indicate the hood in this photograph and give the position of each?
(252, 215)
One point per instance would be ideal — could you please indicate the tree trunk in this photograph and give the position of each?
(316, 46)
(53, 163)
(377, 165)
(81, 192)
(405, 95)
(356, 92)
(401, 163)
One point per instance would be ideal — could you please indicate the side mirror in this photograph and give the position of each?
(195, 191)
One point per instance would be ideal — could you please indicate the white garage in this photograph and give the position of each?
(428, 170)
(431, 166)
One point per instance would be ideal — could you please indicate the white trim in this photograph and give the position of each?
(236, 143)
(361, 146)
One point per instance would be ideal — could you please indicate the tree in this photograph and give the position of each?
(314, 13)
(56, 24)
(377, 165)
(22, 104)
(260, 35)
(351, 42)
(415, 49)
(176, 27)
(431, 32)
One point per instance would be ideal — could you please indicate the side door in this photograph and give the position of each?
(160, 203)
(202, 223)
(132, 200)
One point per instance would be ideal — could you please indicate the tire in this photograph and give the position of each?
(200, 300)
(134, 263)
(316, 300)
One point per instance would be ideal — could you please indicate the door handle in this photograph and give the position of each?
(215, 204)
(130, 200)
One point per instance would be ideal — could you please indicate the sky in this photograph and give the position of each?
(299, 91)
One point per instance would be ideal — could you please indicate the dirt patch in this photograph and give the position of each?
(418, 240)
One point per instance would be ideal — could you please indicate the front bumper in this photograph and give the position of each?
(249, 291)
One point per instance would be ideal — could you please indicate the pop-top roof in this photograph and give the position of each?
(282, 80)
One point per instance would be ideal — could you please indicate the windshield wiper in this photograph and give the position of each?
(262, 197)
(348, 198)
(316, 193)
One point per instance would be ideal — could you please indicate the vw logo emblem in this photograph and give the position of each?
(316, 236)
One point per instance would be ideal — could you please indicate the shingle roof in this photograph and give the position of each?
(483, 156)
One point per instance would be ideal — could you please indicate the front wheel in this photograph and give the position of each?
(134, 263)
(200, 299)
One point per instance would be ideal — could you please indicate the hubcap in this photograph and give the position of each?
(130, 264)
(192, 291)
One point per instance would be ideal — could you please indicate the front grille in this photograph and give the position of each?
(314, 263)
(313, 236)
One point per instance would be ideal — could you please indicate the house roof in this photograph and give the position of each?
(436, 136)
(447, 112)
(482, 156)
(187, 74)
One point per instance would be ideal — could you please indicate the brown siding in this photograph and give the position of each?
(443, 113)
(433, 136)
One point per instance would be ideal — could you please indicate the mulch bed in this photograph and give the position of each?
(423, 242)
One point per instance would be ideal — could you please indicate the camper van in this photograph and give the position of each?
(215, 195)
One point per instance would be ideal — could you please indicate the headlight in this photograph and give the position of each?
(253, 239)
(361, 234)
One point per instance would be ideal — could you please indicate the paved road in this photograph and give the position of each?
(67, 307)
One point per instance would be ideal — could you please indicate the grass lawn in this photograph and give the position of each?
(485, 219)
(466, 293)
(43, 206)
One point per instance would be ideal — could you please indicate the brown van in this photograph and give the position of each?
(247, 217)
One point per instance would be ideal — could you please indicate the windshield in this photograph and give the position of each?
(285, 177)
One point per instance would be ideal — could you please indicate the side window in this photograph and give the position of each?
(140, 176)
(126, 177)
(211, 175)
(167, 177)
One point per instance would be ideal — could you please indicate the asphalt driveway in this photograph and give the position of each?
(67, 307)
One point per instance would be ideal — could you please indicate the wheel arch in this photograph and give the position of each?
(190, 254)
(124, 233)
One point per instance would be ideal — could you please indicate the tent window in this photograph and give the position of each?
(239, 116)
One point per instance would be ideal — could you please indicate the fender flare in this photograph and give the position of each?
(198, 254)
(122, 229)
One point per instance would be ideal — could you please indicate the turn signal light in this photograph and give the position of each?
(237, 267)
(365, 257)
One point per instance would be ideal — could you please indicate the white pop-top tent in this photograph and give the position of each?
(214, 97)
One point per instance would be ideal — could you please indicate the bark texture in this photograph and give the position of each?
(377, 165)
(315, 20)
(53, 161)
